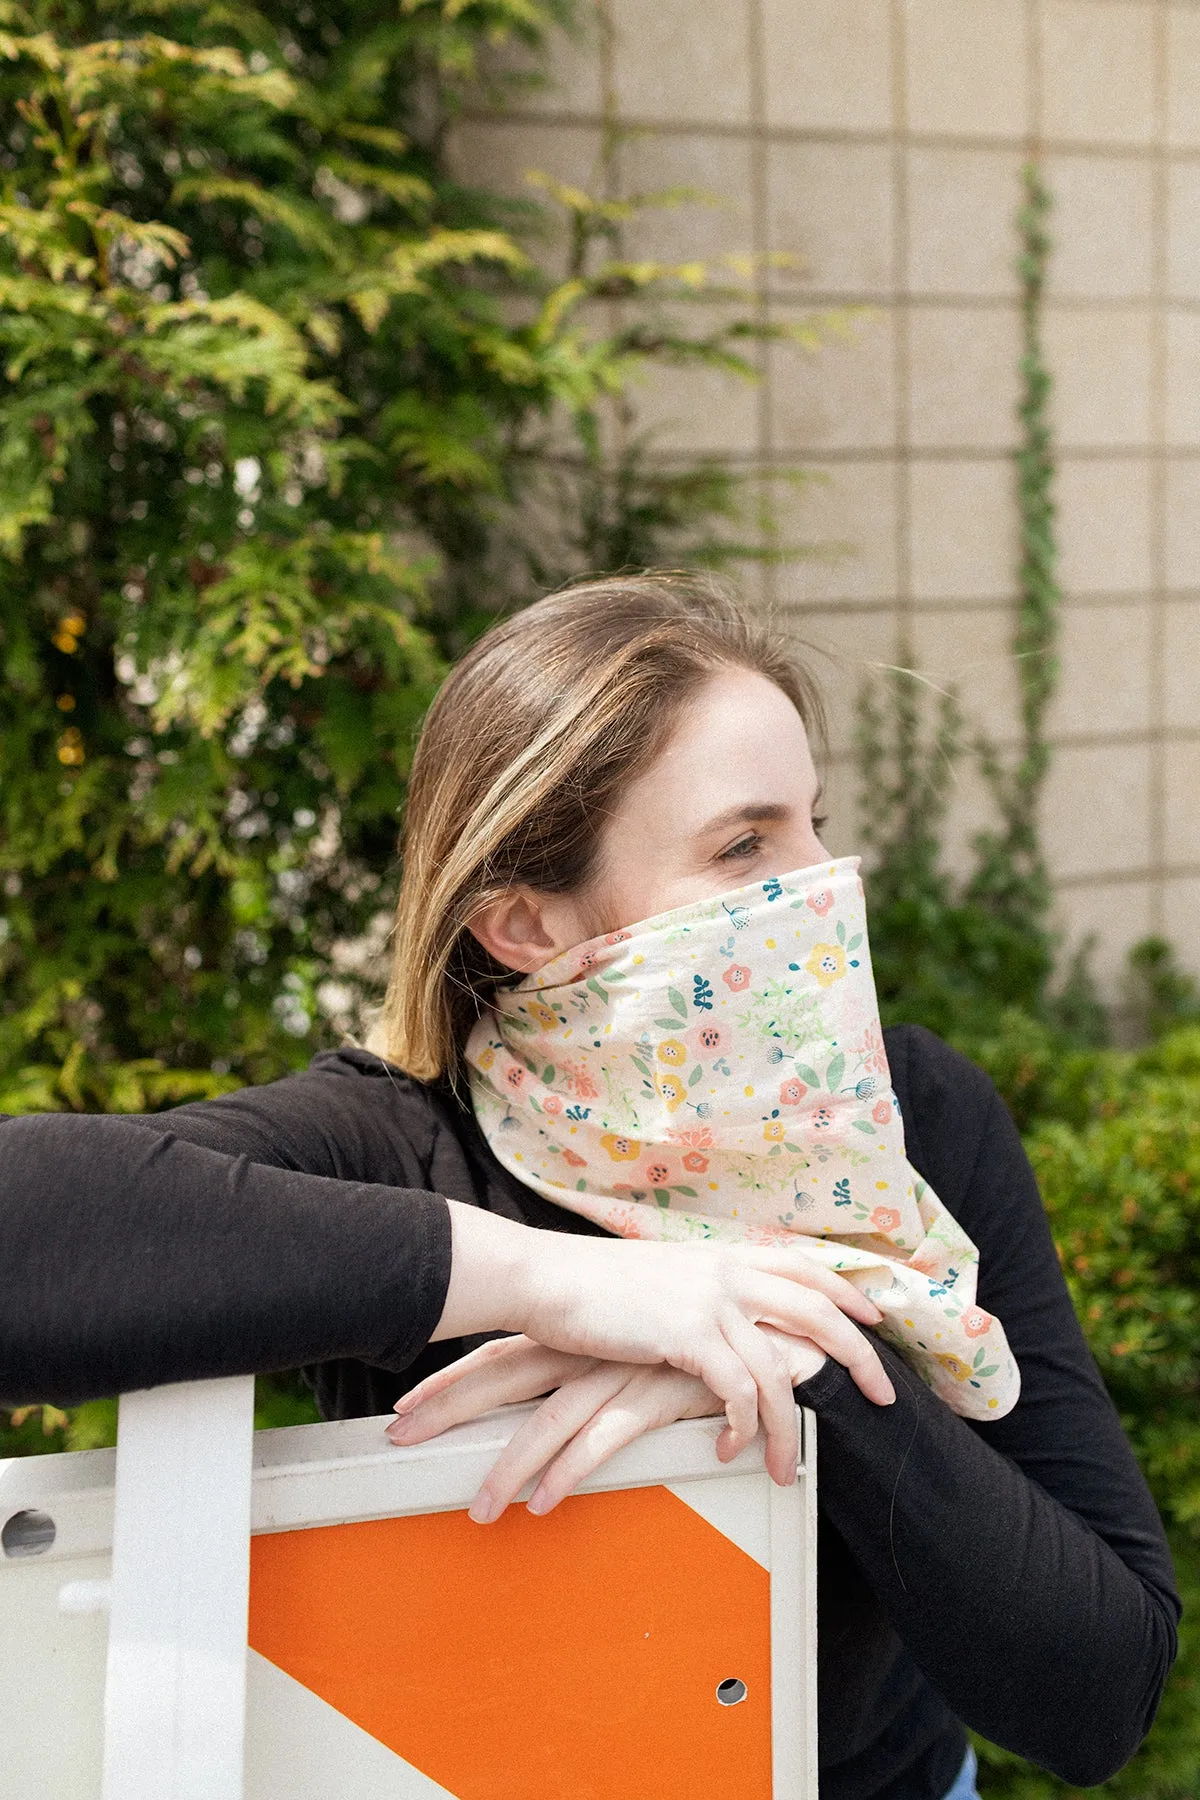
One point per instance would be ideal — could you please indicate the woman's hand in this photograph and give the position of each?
(597, 1409)
(695, 1306)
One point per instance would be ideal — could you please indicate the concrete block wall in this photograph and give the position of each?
(879, 142)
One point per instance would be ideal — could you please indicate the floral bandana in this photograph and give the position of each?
(719, 1072)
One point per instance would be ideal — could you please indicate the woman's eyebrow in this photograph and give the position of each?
(754, 812)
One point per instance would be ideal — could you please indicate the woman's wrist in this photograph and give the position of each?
(489, 1261)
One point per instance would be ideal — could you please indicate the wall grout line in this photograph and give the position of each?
(759, 237)
(901, 347)
(1159, 227)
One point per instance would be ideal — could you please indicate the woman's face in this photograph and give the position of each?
(730, 800)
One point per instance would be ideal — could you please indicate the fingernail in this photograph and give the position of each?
(877, 1315)
(405, 1404)
(891, 1399)
(484, 1508)
(539, 1504)
(402, 1429)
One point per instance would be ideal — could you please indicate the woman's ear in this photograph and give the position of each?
(515, 930)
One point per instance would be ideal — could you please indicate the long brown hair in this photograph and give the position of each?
(523, 755)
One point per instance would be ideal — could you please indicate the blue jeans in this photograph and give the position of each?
(964, 1786)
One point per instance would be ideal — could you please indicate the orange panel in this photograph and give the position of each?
(574, 1657)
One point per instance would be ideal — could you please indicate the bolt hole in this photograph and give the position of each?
(28, 1533)
(731, 1691)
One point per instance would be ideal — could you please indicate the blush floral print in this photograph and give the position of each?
(719, 1072)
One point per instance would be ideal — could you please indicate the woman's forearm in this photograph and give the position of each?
(1032, 1627)
(129, 1257)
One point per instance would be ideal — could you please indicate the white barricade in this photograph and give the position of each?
(655, 1634)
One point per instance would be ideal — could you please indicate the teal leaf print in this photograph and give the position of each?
(837, 1069)
(695, 1075)
(807, 1075)
(841, 931)
(861, 1125)
(841, 1192)
(677, 1001)
(641, 1067)
(702, 995)
(595, 988)
(855, 941)
(667, 1024)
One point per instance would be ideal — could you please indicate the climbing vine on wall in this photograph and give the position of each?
(953, 952)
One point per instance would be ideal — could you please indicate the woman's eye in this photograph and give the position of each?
(743, 848)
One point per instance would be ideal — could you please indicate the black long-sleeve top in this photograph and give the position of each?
(1012, 1575)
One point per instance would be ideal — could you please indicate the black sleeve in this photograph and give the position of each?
(1022, 1562)
(201, 1243)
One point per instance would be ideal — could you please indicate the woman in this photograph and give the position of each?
(615, 752)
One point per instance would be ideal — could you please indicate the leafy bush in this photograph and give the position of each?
(286, 414)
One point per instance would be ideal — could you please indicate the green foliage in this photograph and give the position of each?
(286, 414)
(1114, 1137)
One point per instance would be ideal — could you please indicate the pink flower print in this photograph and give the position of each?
(975, 1321)
(822, 1119)
(736, 977)
(586, 961)
(792, 1092)
(885, 1218)
(657, 1173)
(579, 1081)
(871, 1049)
(694, 1163)
(553, 1104)
(693, 1137)
(711, 1038)
(514, 1077)
(820, 902)
(617, 937)
(881, 1112)
(576, 1161)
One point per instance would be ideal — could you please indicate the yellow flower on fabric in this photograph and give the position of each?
(670, 1089)
(827, 963)
(486, 1058)
(673, 1052)
(774, 1131)
(545, 1015)
(956, 1366)
(621, 1149)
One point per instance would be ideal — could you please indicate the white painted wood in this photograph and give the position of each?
(794, 1627)
(312, 1474)
(739, 1507)
(298, 1747)
(174, 1704)
(182, 1521)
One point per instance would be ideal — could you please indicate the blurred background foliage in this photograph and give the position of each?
(288, 414)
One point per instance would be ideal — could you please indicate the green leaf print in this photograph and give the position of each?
(641, 1067)
(695, 1075)
(807, 1075)
(688, 1193)
(836, 1070)
(677, 1001)
(861, 1125)
(663, 1197)
(595, 987)
(548, 1074)
(667, 1024)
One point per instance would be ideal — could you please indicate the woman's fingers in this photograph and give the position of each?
(542, 1436)
(804, 1313)
(477, 1383)
(649, 1398)
(777, 1408)
(796, 1266)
